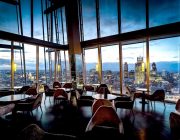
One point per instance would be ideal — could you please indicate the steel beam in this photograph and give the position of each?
(13, 2)
(5, 46)
(28, 40)
(158, 32)
(55, 6)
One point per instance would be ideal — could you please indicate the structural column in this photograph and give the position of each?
(12, 65)
(75, 52)
(37, 67)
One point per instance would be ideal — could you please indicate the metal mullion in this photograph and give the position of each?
(120, 47)
(21, 27)
(42, 9)
(12, 66)
(32, 19)
(147, 46)
(98, 36)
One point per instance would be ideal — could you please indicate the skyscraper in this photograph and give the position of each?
(125, 70)
(139, 71)
(153, 68)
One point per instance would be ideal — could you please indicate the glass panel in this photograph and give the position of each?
(8, 18)
(134, 65)
(163, 12)
(108, 17)
(5, 68)
(63, 67)
(42, 77)
(30, 56)
(26, 17)
(89, 19)
(133, 15)
(110, 67)
(91, 61)
(68, 71)
(165, 67)
(18, 68)
(64, 25)
(38, 20)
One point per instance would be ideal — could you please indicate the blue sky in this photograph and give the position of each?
(133, 18)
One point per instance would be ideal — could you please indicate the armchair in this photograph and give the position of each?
(34, 132)
(48, 92)
(31, 91)
(174, 120)
(23, 90)
(105, 118)
(6, 109)
(126, 103)
(99, 103)
(158, 95)
(29, 104)
(56, 84)
(59, 95)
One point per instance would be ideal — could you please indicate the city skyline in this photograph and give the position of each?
(133, 18)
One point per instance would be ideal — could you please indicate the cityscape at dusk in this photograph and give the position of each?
(90, 69)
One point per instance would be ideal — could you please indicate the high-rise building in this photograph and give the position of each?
(126, 70)
(153, 69)
(139, 71)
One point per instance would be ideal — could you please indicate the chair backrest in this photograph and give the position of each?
(37, 101)
(23, 89)
(102, 90)
(105, 115)
(34, 132)
(158, 95)
(88, 88)
(128, 91)
(98, 103)
(46, 88)
(56, 84)
(60, 92)
(6, 109)
(67, 85)
(31, 91)
(178, 105)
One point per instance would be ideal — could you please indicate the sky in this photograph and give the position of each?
(132, 18)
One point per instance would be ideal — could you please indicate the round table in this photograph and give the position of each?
(101, 96)
(143, 102)
(13, 98)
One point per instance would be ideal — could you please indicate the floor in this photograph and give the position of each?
(68, 119)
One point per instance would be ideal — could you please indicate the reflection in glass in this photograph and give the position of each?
(91, 59)
(110, 67)
(134, 65)
(108, 17)
(165, 67)
(89, 19)
(133, 15)
(163, 12)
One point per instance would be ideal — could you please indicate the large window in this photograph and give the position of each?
(42, 76)
(89, 19)
(5, 68)
(30, 56)
(38, 20)
(110, 67)
(134, 65)
(133, 15)
(165, 66)
(18, 68)
(91, 66)
(163, 12)
(8, 18)
(108, 17)
(26, 17)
